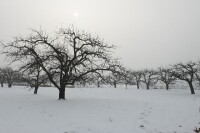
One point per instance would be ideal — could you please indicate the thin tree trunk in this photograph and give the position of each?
(62, 93)
(147, 86)
(1, 84)
(167, 86)
(84, 85)
(98, 84)
(115, 84)
(191, 88)
(36, 89)
(9, 85)
(138, 86)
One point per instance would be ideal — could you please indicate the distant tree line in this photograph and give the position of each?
(33, 78)
(9, 76)
(188, 72)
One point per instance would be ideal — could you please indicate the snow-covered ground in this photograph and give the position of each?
(98, 110)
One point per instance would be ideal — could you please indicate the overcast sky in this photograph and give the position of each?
(148, 33)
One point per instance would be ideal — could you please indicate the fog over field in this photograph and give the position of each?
(148, 33)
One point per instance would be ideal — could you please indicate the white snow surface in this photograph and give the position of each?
(98, 110)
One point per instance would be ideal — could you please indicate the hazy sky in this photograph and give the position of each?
(148, 33)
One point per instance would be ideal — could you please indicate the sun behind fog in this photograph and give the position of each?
(75, 14)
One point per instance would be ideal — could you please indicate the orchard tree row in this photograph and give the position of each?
(33, 78)
(9, 76)
(69, 57)
(188, 72)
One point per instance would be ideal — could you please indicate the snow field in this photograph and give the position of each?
(98, 110)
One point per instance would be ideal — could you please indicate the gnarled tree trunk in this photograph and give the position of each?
(191, 88)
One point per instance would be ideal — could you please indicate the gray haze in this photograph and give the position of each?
(148, 33)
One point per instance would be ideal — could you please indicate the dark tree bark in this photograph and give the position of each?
(167, 86)
(9, 85)
(138, 85)
(62, 94)
(191, 87)
(36, 89)
(115, 84)
(2, 76)
(147, 86)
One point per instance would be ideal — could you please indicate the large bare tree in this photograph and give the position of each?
(186, 72)
(67, 55)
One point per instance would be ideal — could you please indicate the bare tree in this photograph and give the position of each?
(92, 79)
(127, 77)
(166, 76)
(98, 79)
(2, 76)
(149, 77)
(34, 76)
(186, 72)
(84, 80)
(114, 78)
(11, 76)
(68, 55)
(137, 77)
